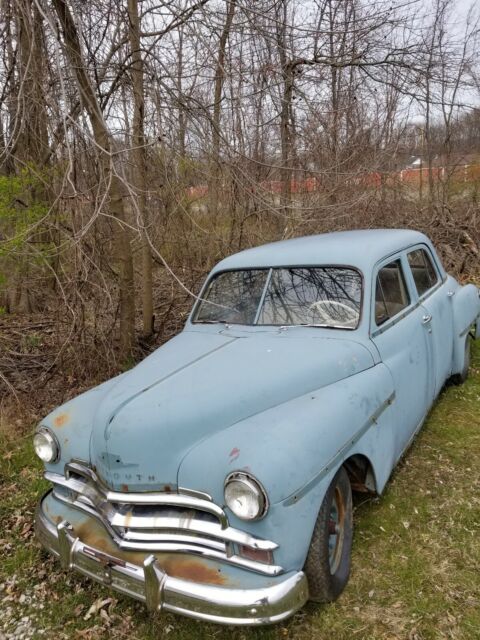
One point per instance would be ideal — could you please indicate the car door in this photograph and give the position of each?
(400, 334)
(438, 311)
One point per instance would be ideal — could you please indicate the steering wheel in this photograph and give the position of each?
(320, 305)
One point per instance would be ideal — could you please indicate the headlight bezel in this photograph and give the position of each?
(253, 484)
(52, 440)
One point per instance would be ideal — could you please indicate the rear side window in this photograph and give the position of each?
(391, 295)
(423, 271)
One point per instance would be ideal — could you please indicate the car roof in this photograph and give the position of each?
(360, 248)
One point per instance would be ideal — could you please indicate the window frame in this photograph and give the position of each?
(270, 269)
(438, 283)
(391, 320)
(415, 300)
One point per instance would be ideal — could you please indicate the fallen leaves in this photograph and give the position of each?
(98, 606)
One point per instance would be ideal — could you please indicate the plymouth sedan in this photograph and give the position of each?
(215, 478)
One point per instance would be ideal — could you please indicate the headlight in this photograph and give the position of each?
(46, 445)
(245, 496)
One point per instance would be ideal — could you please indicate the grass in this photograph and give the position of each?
(415, 564)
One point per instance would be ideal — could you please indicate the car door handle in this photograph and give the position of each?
(426, 318)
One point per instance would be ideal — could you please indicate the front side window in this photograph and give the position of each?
(391, 295)
(312, 296)
(423, 271)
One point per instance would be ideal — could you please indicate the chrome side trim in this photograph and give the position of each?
(339, 456)
(151, 585)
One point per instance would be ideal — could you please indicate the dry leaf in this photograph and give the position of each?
(96, 606)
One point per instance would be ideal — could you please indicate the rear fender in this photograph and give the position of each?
(466, 312)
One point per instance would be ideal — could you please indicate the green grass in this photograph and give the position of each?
(415, 565)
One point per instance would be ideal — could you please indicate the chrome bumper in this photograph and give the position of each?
(150, 584)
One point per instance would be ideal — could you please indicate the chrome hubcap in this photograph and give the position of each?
(336, 527)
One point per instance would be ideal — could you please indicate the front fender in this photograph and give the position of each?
(72, 424)
(294, 449)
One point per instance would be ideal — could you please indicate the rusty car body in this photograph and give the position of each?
(214, 478)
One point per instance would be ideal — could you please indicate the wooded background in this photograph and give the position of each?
(142, 141)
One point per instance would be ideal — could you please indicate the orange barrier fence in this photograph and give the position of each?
(460, 173)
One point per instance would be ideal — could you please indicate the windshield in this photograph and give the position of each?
(312, 296)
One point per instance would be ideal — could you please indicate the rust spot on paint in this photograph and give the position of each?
(94, 535)
(192, 570)
(234, 453)
(168, 488)
(61, 420)
(124, 487)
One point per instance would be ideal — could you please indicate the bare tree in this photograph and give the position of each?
(139, 162)
(109, 174)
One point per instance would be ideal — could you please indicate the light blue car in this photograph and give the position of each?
(215, 478)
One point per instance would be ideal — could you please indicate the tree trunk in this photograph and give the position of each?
(111, 180)
(217, 103)
(139, 163)
(31, 138)
(285, 109)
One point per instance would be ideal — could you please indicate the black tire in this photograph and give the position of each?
(328, 561)
(460, 378)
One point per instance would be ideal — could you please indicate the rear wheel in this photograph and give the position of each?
(460, 378)
(328, 561)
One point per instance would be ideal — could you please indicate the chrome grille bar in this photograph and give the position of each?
(175, 499)
(160, 522)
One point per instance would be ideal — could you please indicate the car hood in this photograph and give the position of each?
(199, 383)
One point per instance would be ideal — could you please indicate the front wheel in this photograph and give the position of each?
(328, 561)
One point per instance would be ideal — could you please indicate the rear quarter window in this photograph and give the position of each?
(423, 271)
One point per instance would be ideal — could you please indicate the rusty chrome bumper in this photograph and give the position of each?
(150, 584)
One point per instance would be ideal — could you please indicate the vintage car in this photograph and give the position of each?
(215, 478)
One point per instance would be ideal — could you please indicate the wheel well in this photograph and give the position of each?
(361, 474)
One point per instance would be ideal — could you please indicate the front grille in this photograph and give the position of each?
(183, 522)
(163, 524)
